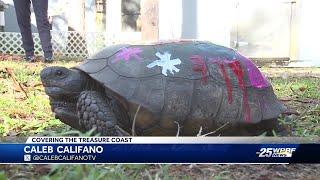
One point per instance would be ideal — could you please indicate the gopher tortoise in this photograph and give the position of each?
(164, 88)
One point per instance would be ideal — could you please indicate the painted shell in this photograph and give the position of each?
(191, 83)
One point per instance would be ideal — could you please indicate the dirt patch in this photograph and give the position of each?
(291, 72)
(243, 172)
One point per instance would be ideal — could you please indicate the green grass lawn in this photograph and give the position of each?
(26, 114)
(20, 114)
(303, 95)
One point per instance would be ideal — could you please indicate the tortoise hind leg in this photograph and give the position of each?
(94, 112)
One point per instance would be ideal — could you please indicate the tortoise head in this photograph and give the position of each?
(63, 86)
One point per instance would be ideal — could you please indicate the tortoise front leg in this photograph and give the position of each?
(94, 111)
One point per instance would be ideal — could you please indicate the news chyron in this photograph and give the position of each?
(177, 150)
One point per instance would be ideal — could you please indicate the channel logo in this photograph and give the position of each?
(276, 152)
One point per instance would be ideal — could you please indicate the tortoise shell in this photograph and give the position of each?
(191, 83)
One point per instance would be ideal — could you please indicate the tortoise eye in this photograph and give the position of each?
(59, 73)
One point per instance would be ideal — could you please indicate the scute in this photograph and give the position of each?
(178, 97)
(99, 61)
(105, 76)
(184, 52)
(108, 51)
(206, 99)
(135, 67)
(150, 94)
(138, 67)
(123, 86)
(92, 66)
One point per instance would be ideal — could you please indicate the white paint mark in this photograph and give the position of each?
(166, 63)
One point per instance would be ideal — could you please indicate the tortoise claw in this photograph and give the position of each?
(67, 117)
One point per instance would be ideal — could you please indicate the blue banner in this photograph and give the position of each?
(159, 153)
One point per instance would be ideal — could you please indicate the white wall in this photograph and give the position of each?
(90, 18)
(308, 33)
(170, 19)
(208, 19)
(215, 19)
(197, 19)
(113, 17)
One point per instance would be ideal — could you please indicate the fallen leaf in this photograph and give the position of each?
(302, 88)
(42, 169)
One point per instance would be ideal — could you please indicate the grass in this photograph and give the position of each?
(27, 116)
(301, 95)
(21, 115)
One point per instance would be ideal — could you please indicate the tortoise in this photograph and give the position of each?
(159, 89)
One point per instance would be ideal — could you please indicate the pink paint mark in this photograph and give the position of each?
(199, 65)
(235, 66)
(127, 53)
(255, 76)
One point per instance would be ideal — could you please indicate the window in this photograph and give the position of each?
(101, 6)
(130, 15)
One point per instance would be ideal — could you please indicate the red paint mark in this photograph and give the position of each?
(227, 80)
(199, 65)
(235, 66)
(237, 70)
(221, 63)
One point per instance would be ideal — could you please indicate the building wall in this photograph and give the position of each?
(193, 19)
(90, 21)
(170, 19)
(196, 19)
(215, 19)
(212, 20)
(308, 33)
